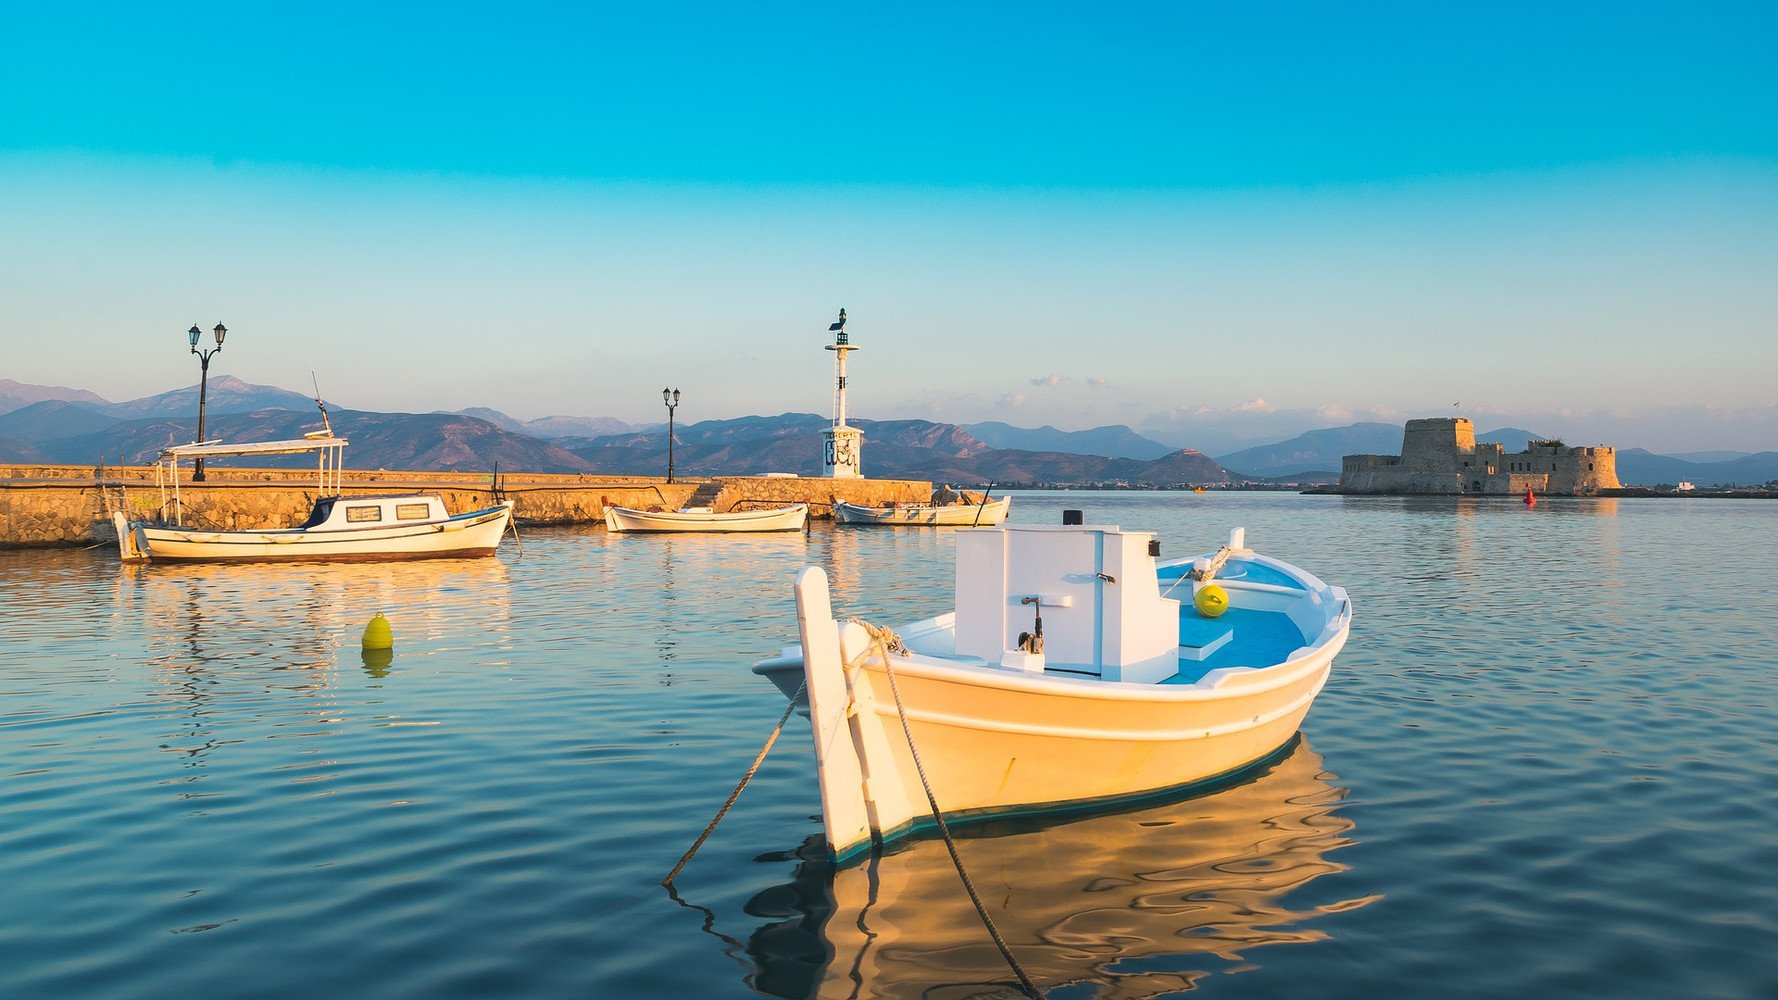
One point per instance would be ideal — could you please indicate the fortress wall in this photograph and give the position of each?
(1519, 483)
(1367, 473)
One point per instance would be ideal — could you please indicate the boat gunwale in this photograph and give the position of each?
(979, 673)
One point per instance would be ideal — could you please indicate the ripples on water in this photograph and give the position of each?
(1543, 766)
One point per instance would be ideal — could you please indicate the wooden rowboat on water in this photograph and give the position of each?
(963, 515)
(792, 518)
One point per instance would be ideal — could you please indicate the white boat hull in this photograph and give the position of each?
(792, 518)
(470, 535)
(1015, 736)
(985, 515)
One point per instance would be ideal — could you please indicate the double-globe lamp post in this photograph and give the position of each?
(671, 398)
(197, 469)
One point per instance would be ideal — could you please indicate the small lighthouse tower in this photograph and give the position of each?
(843, 442)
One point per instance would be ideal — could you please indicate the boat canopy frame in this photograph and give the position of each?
(328, 463)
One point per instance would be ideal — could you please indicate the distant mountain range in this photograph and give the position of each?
(16, 394)
(54, 424)
(894, 449)
(1641, 468)
(1317, 451)
(1115, 441)
(552, 428)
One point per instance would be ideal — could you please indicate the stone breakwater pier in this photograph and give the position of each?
(48, 505)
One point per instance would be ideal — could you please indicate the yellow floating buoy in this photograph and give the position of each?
(377, 634)
(1211, 601)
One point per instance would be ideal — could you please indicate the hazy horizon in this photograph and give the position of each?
(1210, 441)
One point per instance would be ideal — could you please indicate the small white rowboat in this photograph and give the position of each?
(924, 515)
(792, 518)
(1135, 696)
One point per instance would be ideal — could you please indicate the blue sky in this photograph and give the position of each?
(1204, 220)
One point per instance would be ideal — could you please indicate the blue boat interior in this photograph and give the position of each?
(1255, 639)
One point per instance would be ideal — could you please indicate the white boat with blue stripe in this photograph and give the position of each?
(1076, 673)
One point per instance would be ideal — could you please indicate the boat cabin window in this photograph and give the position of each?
(412, 511)
(363, 514)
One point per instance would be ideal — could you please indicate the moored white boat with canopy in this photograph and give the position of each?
(370, 527)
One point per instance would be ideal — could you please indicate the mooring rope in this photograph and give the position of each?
(885, 640)
(779, 728)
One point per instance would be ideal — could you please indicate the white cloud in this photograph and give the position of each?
(1013, 400)
(1051, 380)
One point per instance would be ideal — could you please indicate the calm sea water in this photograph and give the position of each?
(1544, 766)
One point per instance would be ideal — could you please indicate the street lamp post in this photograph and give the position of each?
(197, 469)
(671, 398)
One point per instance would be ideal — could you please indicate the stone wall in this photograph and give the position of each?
(67, 505)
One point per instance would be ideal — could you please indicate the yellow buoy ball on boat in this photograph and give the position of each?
(1211, 601)
(377, 634)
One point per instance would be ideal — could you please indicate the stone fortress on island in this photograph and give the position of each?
(1440, 455)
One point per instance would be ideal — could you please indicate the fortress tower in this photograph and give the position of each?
(844, 443)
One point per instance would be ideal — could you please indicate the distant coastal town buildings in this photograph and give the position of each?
(1440, 455)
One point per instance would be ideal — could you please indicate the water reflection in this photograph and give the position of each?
(255, 637)
(1471, 506)
(300, 615)
(1140, 903)
(377, 662)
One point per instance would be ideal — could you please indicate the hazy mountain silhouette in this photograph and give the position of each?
(893, 449)
(14, 395)
(1316, 451)
(408, 441)
(1113, 441)
(56, 424)
(1511, 439)
(226, 394)
(554, 427)
(52, 419)
(1636, 467)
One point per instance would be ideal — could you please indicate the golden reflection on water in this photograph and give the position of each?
(1143, 902)
(856, 556)
(269, 633)
(303, 613)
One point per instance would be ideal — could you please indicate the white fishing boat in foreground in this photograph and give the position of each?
(964, 515)
(791, 518)
(372, 527)
(1074, 674)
